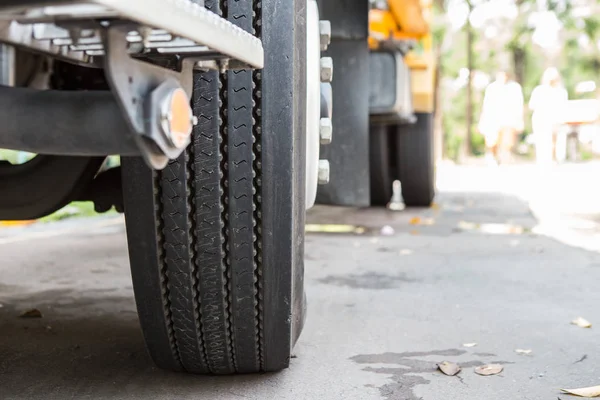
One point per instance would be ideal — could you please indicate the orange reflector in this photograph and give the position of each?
(180, 118)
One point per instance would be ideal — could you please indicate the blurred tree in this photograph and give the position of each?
(439, 30)
(519, 44)
(470, 68)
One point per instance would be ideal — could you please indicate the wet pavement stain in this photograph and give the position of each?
(404, 377)
(370, 280)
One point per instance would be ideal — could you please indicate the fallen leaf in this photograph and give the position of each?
(415, 233)
(469, 344)
(490, 369)
(415, 221)
(33, 313)
(419, 221)
(448, 368)
(592, 391)
(583, 358)
(582, 322)
(501, 229)
(522, 351)
(435, 206)
(333, 228)
(359, 230)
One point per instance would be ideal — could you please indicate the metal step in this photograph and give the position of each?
(72, 30)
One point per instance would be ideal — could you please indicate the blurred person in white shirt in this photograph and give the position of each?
(501, 117)
(548, 101)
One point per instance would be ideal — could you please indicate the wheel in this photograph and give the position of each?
(380, 165)
(216, 239)
(416, 165)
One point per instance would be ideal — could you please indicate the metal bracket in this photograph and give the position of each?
(133, 82)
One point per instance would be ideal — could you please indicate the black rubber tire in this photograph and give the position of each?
(216, 239)
(380, 165)
(416, 164)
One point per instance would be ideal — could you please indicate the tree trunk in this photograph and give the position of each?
(438, 112)
(467, 146)
(518, 58)
(438, 116)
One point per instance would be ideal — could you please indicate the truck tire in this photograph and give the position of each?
(216, 239)
(416, 164)
(381, 170)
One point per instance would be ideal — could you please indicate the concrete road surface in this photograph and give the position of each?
(506, 259)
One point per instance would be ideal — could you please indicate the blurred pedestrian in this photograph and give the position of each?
(548, 101)
(501, 117)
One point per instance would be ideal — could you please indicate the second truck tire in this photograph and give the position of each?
(415, 159)
(403, 152)
(216, 239)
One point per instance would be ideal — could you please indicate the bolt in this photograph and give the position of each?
(75, 35)
(323, 172)
(145, 33)
(176, 117)
(224, 66)
(325, 130)
(326, 69)
(325, 34)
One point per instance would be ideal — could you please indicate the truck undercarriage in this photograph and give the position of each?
(222, 113)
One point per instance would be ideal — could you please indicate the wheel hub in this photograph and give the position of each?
(318, 101)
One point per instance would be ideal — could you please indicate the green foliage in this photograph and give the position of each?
(576, 62)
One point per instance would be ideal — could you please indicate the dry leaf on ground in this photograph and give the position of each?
(469, 344)
(448, 368)
(592, 391)
(490, 369)
(582, 322)
(33, 313)
(467, 226)
(334, 228)
(423, 221)
(523, 351)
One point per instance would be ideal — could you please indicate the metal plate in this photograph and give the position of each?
(390, 96)
(349, 18)
(348, 154)
(204, 31)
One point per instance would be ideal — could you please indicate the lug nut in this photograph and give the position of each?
(326, 69)
(325, 34)
(325, 130)
(323, 172)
